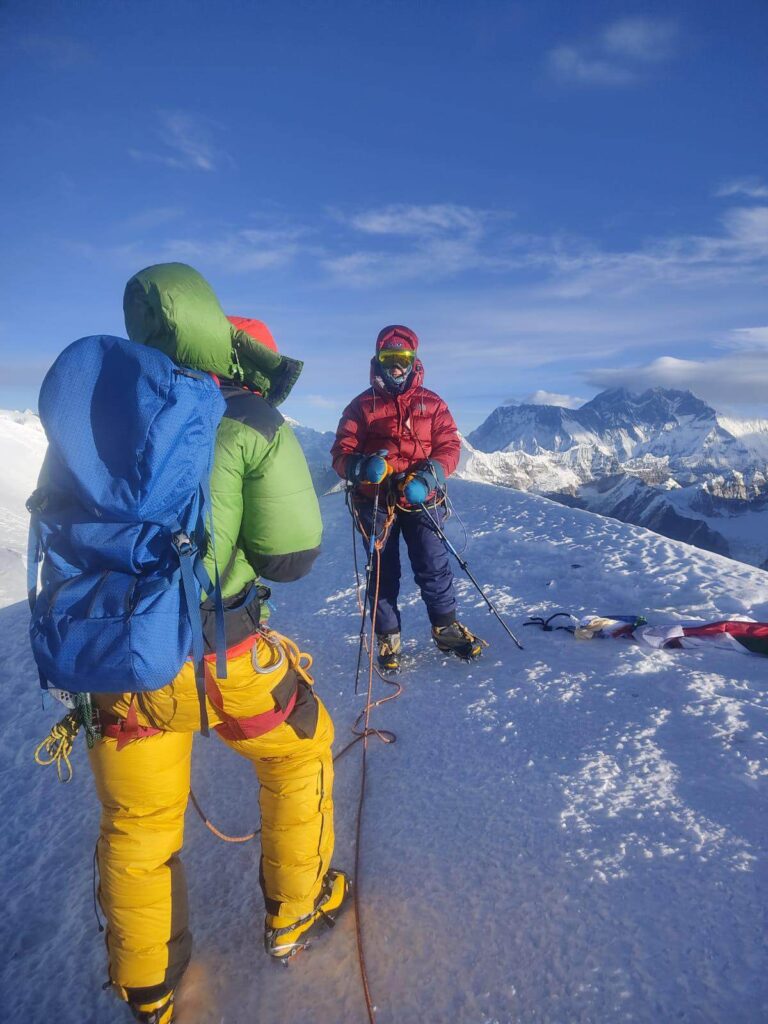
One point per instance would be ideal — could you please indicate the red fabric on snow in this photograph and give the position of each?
(753, 635)
(735, 627)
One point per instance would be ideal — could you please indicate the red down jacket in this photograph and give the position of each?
(411, 427)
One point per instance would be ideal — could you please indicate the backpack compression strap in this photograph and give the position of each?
(188, 554)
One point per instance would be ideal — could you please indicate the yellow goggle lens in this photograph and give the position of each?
(396, 357)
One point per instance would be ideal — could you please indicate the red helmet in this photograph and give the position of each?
(256, 329)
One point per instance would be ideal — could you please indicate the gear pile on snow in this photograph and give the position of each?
(740, 635)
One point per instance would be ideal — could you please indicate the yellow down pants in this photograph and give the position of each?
(144, 786)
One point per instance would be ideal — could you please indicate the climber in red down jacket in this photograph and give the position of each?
(400, 437)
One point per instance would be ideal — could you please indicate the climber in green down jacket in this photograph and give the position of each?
(266, 523)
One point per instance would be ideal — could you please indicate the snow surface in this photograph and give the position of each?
(572, 833)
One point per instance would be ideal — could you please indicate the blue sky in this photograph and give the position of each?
(557, 196)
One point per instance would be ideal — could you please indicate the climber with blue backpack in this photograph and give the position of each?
(171, 487)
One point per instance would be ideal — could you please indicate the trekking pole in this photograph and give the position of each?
(462, 562)
(368, 574)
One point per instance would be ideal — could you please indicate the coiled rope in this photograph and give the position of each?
(56, 748)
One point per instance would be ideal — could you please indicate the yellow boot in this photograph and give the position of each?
(284, 939)
(158, 1011)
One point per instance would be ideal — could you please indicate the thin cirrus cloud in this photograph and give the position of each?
(736, 254)
(748, 338)
(373, 249)
(438, 241)
(435, 218)
(430, 241)
(60, 52)
(239, 251)
(183, 142)
(752, 188)
(622, 53)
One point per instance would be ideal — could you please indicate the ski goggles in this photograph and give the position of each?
(402, 357)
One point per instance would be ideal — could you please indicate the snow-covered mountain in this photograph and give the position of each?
(575, 832)
(316, 445)
(663, 459)
(659, 423)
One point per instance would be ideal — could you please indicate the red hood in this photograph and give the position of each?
(415, 380)
(397, 336)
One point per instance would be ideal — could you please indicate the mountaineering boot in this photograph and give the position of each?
(457, 639)
(157, 1011)
(284, 940)
(389, 651)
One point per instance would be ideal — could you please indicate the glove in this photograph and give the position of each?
(415, 490)
(425, 478)
(371, 469)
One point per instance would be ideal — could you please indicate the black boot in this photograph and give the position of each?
(159, 1011)
(388, 651)
(457, 639)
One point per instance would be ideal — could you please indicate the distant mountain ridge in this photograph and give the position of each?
(660, 422)
(663, 459)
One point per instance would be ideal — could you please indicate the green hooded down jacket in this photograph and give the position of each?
(266, 516)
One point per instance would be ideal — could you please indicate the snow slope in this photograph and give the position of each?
(22, 447)
(572, 833)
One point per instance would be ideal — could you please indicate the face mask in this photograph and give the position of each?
(395, 383)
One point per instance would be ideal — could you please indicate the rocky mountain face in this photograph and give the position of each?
(663, 459)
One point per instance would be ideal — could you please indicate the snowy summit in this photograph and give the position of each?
(575, 832)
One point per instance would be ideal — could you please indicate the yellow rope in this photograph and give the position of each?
(57, 746)
(300, 661)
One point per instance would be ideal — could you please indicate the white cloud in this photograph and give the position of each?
(413, 244)
(184, 143)
(738, 378)
(642, 39)
(748, 225)
(620, 54)
(738, 253)
(749, 337)
(753, 188)
(572, 65)
(553, 398)
(436, 218)
(240, 251)
(441, 239)
(61, 52)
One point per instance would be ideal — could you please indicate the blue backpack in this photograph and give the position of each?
(119, 519)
